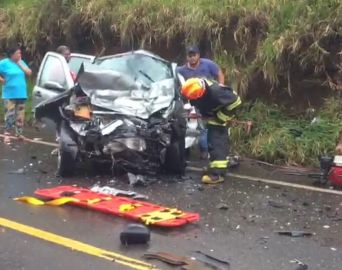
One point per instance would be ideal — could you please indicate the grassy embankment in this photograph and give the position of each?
(281, 55)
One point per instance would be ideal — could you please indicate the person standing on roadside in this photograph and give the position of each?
(66, 52)
(197, 67)
(13, 72)
(59, 75)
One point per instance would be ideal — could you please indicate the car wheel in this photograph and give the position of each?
(100, 168)
(175, 154)
(65, 163)
(175, 158)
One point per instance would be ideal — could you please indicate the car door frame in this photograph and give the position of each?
(39, 90)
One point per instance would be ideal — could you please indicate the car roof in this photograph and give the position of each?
(143, 52)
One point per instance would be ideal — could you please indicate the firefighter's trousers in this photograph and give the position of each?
(218, 147)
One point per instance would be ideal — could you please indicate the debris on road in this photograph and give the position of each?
(135, 234)
(211, 261)
(54, 152)
(136, 180)
(234, 161)
(301, 265)
(118, 192)
(276, 204)
(167, 258)
(295, 233)
(222, 206)
(186, 263)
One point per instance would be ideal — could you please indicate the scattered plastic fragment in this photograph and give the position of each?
(276, 204)
(136, 180)
(118, 192)
(301, 265)
(211, 261)
(295, 233)
(186, 263)
(222, 206)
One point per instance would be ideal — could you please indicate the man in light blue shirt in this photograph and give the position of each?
(13, 72)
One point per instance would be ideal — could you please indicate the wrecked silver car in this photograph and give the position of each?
(124, 111)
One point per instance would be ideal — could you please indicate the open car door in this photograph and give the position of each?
(55, 75)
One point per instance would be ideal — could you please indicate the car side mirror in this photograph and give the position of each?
(53, 86)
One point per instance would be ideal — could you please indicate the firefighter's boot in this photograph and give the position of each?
(212, 179)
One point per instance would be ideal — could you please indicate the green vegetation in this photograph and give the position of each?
(281, 139)
(269, 50)
(284, 39)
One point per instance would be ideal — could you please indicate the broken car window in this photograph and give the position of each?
(143, 68)
(53, 72)
(76, 62)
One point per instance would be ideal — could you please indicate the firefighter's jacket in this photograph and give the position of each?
(218, 103)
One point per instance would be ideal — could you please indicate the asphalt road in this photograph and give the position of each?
(243, 233)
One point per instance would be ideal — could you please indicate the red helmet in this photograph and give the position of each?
(193, 88)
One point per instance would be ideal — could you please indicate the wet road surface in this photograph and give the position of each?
(243, 232)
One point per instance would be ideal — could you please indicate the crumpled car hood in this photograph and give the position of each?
(120, 93)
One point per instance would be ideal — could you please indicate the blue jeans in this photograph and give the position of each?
(203, 141)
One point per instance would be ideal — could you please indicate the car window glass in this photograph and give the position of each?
(141, 67)
(118, 64)
(76, 62)
(53, 72)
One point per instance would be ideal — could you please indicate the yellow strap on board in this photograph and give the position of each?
(128, 207)
(55, 202)
(30, 200)
(161, 215)
(97, 200)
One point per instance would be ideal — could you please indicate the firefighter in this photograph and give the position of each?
(217, 103)
(198, 67)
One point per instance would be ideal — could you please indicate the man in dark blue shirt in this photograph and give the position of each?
(197, 67)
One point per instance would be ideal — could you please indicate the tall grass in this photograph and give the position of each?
(262, 31)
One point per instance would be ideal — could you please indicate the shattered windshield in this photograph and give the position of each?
(142, 68)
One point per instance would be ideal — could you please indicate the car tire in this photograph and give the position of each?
(66, 162)
(100, 168)
(175, 158)
(175, 154)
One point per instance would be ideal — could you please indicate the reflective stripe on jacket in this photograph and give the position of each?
(218, 102)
